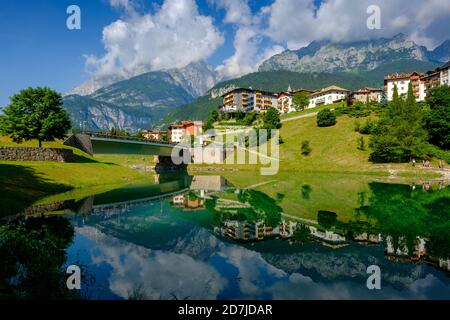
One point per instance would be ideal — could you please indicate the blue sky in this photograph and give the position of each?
(38, 50)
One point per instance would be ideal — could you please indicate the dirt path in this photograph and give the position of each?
(308, 115)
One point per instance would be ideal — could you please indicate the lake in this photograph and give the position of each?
(242, 237)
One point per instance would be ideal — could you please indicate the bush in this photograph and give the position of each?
(366, 128)
(249, 118)
(306, 148)
(326, 118)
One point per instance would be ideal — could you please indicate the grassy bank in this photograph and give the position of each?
(24, 183)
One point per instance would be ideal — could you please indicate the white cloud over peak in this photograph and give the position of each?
(248, 40)
(298, 22)
(174, 36)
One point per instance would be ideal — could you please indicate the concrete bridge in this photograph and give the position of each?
(94, 143)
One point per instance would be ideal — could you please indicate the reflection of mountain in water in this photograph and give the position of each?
(200, 237)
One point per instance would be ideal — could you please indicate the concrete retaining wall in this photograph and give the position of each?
(36, 154)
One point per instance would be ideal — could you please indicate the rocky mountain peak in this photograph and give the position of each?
(365, 55)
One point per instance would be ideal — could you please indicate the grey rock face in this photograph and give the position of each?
(326, 56)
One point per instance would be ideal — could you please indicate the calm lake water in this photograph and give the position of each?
(312, 238)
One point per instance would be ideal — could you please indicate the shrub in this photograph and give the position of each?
(306, 148)
(366, 128)
(361, 144)
(326, 118)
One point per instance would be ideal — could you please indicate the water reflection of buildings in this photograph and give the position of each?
(395, 249)
(247, 231)
(326, 237)
(189, 202)
(200, 188)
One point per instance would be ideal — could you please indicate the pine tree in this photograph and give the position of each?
(399, 134)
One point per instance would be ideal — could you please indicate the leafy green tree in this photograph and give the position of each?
(272, 119)
(209, 124)
(326, 118)
(239, 115)
(139, 135)
(399, 134)
(35, 113)
(215, 115)
(249, 118)
(437, 122)
(300, 100)
(113, 131)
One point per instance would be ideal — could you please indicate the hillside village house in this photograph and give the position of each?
(154, 135)
(366, 95)
(178, 131)
(421, 82)
(284, 103)
(246, 100)
(402, 81)
(328, 96)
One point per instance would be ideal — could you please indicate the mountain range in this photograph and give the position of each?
(161, 97)
(360, 56)
(138, 102)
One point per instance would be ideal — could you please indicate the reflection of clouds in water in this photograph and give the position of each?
(252, 268)
(301, 287)
(159, 273)
(185, 274)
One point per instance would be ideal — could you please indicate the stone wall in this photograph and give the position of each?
(36, 154)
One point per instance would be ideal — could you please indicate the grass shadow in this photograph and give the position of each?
(77, 158)
(20, 187)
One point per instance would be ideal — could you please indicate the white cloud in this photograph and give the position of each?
(249, 52)
(237, 11)
(296, 22)
(174, 36)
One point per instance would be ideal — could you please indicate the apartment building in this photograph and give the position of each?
(154, 135)
(246, 100)
(402, 81)
(429, 80)
(445, 74)
(421, 83)
(248, 231)
(178, 131)
(284, 103)
(366, 95)
(328, 96)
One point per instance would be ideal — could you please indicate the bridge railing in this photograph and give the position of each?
(125, 138)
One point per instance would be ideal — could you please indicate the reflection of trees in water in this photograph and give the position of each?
(405, 215)
(263, 205)
(306, 191)
(33, 254)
